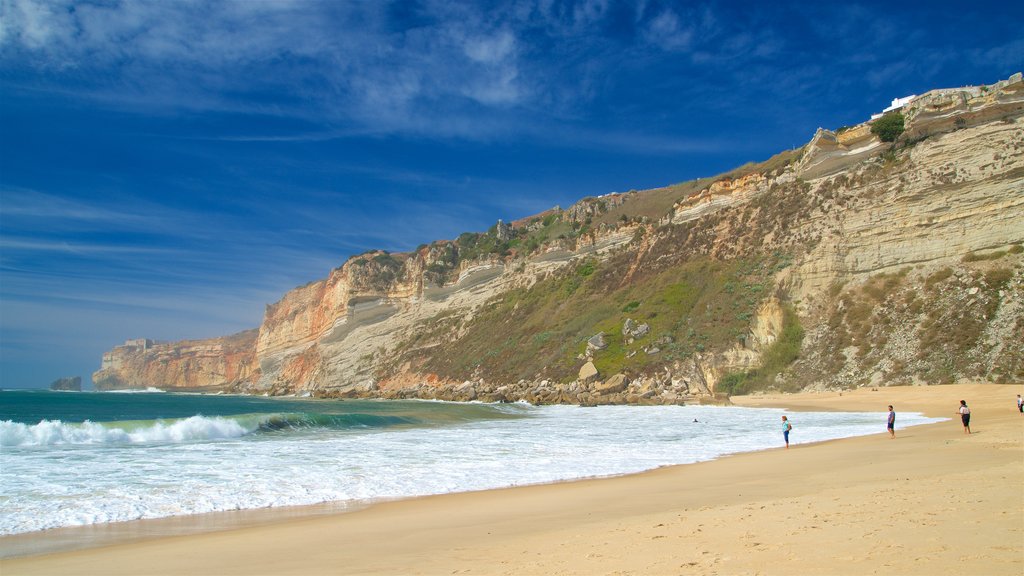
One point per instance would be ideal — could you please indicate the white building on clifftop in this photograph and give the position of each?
(897, 103)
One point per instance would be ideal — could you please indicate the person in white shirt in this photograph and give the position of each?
(965, 416)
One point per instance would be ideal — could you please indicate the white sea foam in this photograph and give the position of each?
(54, 432)
(148, 390)
(47, 483)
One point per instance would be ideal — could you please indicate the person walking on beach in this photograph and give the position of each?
(786, 427)
(892, 423)
(1020, 404)
(965, 416)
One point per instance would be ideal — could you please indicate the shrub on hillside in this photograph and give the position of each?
(889, 127)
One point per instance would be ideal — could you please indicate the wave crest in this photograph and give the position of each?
(56, 432)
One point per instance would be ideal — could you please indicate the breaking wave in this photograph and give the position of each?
(63, 473)
(55, 432)
(193, 429)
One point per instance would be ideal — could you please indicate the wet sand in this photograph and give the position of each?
(932, 501)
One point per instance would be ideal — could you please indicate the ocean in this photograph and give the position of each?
(84, 458)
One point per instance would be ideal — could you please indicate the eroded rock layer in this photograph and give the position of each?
(836, 265)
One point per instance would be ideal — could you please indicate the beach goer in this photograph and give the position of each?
(786, 427)
(1020, 404)
(965, 416)
(892, 423)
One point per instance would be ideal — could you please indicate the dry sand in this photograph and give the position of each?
(932, 501)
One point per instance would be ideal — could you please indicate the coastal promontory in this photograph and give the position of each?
(866, 257)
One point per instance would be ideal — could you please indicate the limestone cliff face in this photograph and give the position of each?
(311, 319)
(951, 195)
(194, 365)
(851, 210)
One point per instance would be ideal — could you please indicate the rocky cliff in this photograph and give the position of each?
(848, 262)
(211, 365)
(67, 384)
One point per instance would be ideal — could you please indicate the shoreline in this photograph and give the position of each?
(128, 530)
(99, 535)
(103, 534)
(586, 526)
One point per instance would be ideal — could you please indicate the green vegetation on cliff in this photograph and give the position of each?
(783, 352)
(889, 127)
(933, 325)
(696, 295)
(542, 331)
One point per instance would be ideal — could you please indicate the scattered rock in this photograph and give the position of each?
(613, 385)
(588, 372)
(70, 383)
(632, 330)
(465, 392)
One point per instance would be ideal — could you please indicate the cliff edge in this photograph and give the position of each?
(849, 262)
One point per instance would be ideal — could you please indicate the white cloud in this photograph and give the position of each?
(588, 12)
(74, 247)
(343, 58)
(1009, 55)
(346, 64)
(493, 49)
(37, 25)
(666, 32)
(26, 209)
(500, 87)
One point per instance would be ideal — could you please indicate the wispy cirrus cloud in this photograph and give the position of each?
(64, 246)
(448, 70)
(355, 62)
(438, 68)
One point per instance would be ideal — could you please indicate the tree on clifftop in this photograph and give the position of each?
(889, 127)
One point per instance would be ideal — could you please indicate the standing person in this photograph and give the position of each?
(892, 423)
(965, 416)
(786, 427)
(1020, 404)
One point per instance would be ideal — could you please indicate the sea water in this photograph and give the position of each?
(70, 459)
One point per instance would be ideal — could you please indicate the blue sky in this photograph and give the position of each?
(168, 168)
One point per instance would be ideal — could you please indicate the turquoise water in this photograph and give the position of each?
(69, 459)
(32, 406)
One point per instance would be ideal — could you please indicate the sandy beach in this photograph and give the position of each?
(931, 501)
